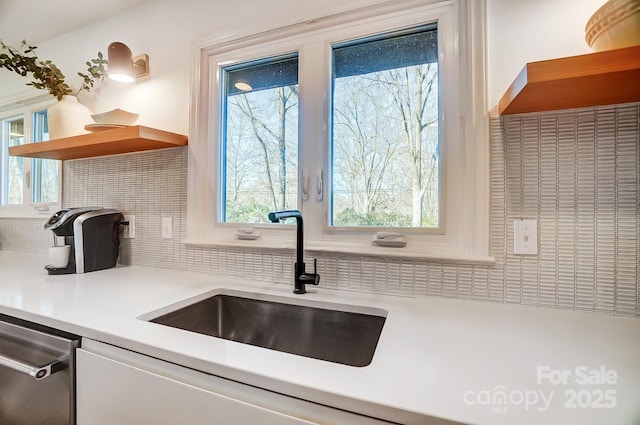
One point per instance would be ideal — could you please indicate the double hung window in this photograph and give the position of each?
(383, 145)
(385, 141)
(366, 122)
(28, 187)
(259, 152)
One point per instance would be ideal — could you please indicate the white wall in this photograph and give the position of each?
(166, 30)
(519, 31)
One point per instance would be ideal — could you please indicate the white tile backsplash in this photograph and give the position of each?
(577, 172)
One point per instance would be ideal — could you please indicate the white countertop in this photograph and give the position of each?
(436, 358)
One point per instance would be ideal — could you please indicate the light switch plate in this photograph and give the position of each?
(525, 237)
(167, 227)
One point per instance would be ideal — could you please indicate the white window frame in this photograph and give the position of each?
(25, 109)
(463, 127)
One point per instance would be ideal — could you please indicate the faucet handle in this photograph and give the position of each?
(311, 278)
(315, 266)
(315, 275)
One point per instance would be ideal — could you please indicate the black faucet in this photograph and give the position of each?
(301, 278)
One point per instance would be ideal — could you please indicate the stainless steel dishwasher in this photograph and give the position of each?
(37, 381)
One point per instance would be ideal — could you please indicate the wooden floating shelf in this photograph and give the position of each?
(602, 78)
(109, 142)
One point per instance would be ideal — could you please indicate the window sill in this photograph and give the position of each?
(410, 252)
(21, 211)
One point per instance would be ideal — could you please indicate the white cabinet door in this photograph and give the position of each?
(118, 386)
(110, 392)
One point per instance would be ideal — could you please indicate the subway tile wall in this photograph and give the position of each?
(25, 235)
(577, 172)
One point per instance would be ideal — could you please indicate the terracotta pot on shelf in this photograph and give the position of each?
(614, 26)
(67, 118)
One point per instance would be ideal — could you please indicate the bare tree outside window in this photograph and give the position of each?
(385, 146)
(43, 175)
(261, 143)
(385, 134)
(45, 172)
(12, 169)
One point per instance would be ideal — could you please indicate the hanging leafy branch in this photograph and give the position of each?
(96, 72)
(45, 74)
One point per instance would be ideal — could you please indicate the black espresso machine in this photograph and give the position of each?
(93, 235)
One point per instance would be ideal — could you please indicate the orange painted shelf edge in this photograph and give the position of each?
(120, 140)
(602, 78)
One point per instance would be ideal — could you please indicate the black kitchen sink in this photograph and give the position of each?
(334, 335)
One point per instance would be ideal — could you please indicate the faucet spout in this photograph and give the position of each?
(301, 277)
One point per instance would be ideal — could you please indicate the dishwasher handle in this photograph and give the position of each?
(37, 372)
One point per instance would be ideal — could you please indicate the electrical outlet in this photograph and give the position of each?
(167, 228)
(129, 232)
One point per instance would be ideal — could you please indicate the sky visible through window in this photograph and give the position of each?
(261, 140)
(385, 132)
(384, 149)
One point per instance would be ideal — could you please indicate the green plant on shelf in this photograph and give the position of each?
(44, 74)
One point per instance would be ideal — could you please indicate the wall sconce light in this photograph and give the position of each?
(124, 67)
(243, 86)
